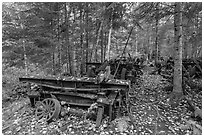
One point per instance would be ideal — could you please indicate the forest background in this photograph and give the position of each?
(51, 38)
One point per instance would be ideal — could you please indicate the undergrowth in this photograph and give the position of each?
(10, 80)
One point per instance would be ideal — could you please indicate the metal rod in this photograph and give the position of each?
(123, 52)
(127, 41)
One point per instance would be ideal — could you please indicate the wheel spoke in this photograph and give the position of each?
(50, 103)
(46, 102)
(47, 117)
(40, 115)
(52, 109)
(46, 106)
(49, 109)
(37, 111)
(50, 115)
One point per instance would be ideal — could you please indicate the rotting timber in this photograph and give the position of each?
(81, 92)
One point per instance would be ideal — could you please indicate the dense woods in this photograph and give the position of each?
(53, 36)
(59, 38)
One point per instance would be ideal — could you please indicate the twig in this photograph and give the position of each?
(5, 128)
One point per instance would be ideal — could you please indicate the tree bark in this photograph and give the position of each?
(59, 44)
(109, 43)
(74, 53)
(102, 49)
(177, 78)
(97, 40)
(68, 59)
(87, 33)
(105, 46)
(25, 57)
(156, 31)
(81, 42)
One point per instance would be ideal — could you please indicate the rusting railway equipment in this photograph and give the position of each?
(120, 68)
(192, 67)
(81, 92)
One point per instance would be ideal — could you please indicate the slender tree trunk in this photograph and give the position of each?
(59, 44)
(25, 57)
(74, 53)
(185, 48)
(74, 64)
(197, 30)
(87, 34)
(109, 38)
(136, 48)
(81, 42)
(53, 61)
(102, 49)
(105, 46)
(53, 48)
(109, 43)
(24, 49)
(67, 36)
(156, 30)
(97, 40)
(177, 79)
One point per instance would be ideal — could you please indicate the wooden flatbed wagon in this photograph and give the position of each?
(75, 91)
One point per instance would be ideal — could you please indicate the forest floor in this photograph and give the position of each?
(151, 117)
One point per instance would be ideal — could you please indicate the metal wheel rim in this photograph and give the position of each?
(48, 109)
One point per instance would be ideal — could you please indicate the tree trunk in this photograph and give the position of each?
(74, 64)
(53, 61)
(53, 48)
(87, 34)
(109, 43)
(185, 48)
(81, 42)
(59, 44)
(177, 79)
(97, 40)
(25, 57)
(156, 31)
(74, 53)
(68, 61)
(105, 46)
(24, 49)
(102, 49)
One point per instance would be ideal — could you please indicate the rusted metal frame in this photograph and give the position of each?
(91, 90)
(76, 100)
(53, 82)
(72, 94)
(102, 86)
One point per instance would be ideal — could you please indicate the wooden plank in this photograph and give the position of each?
(99, 115)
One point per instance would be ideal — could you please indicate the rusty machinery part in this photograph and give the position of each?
(48, 109)
(123, 73)
(117, 107)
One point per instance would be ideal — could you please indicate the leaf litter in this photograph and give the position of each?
(151, 114)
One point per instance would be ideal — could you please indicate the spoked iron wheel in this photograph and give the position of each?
(48, 109)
